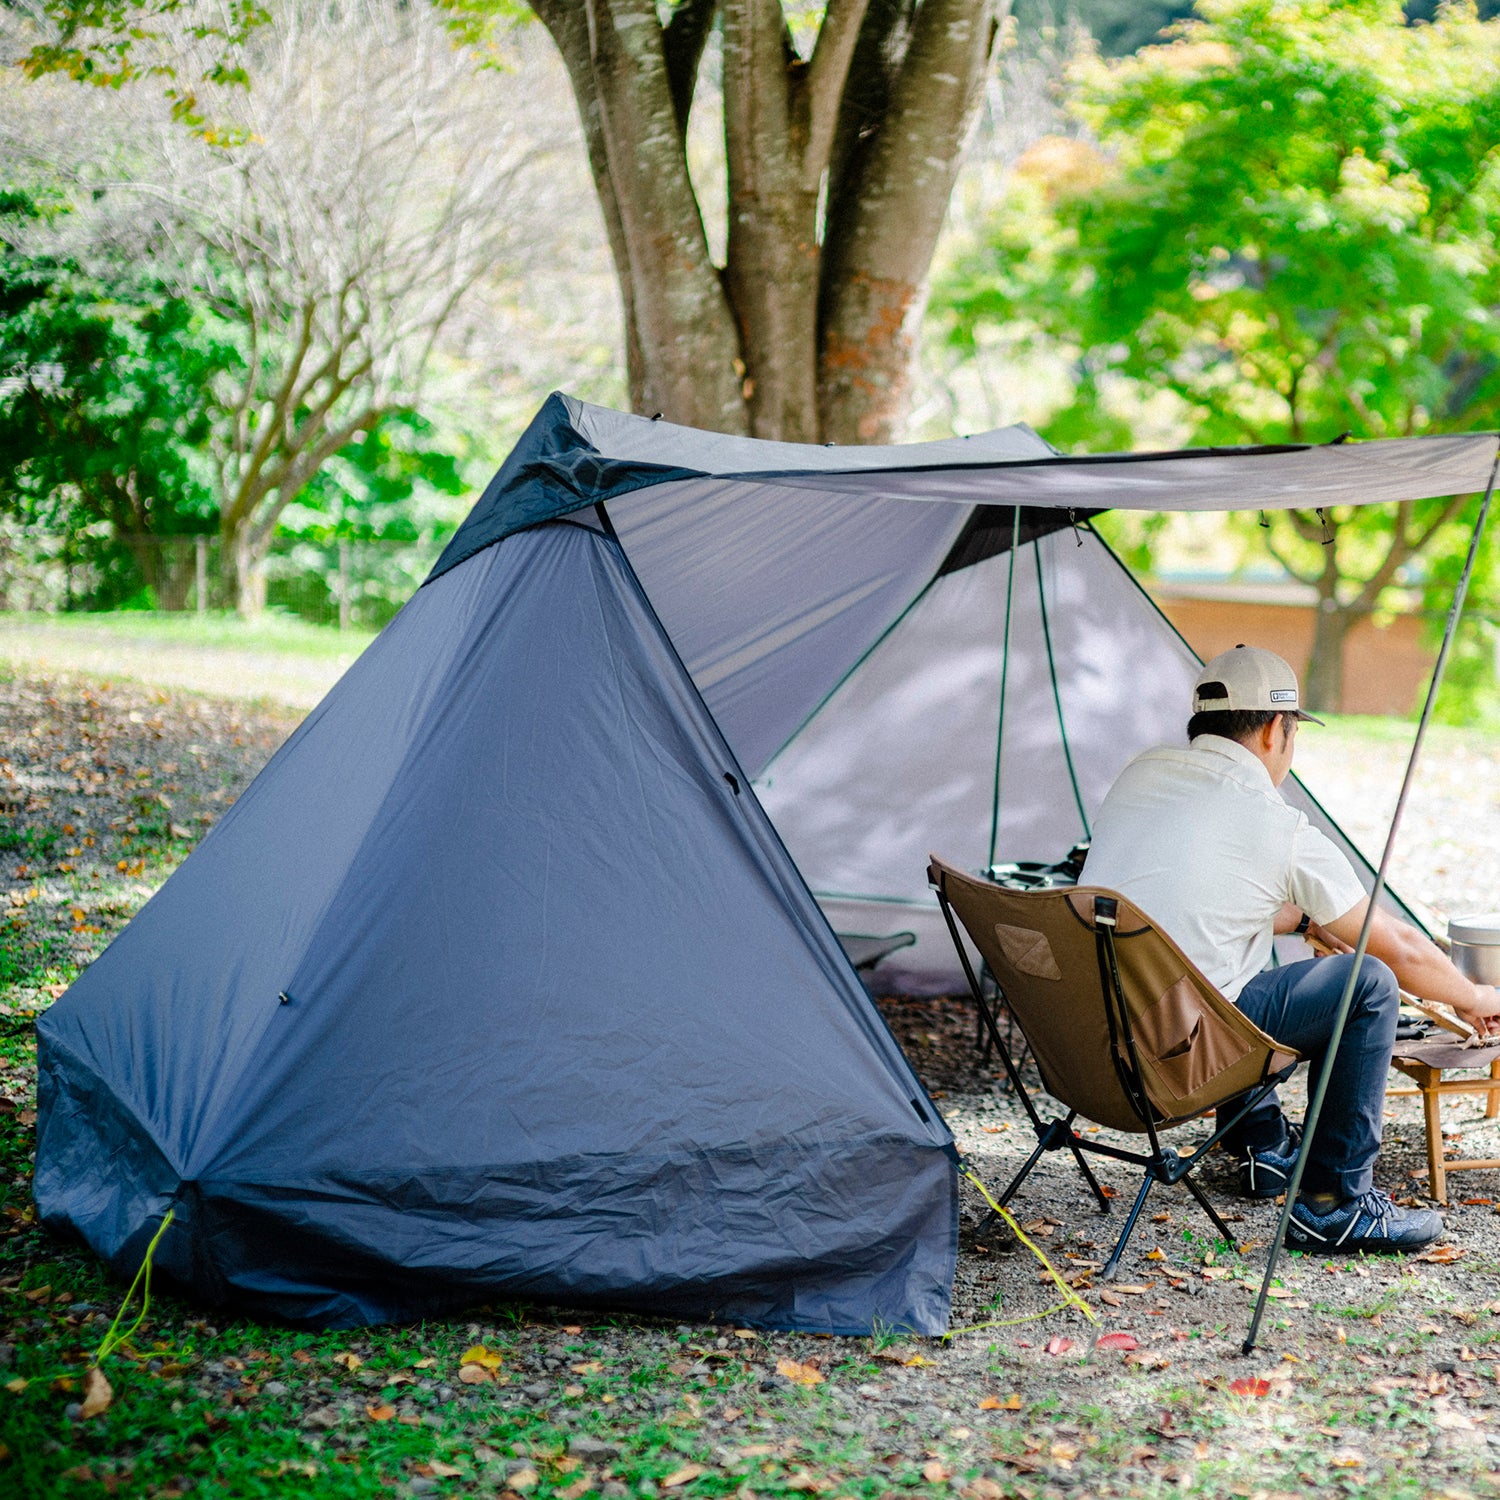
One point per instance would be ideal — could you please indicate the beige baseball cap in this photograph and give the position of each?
(1248, 679)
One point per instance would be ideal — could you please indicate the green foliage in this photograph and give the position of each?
(105, 400)
(1293, 229)
(113, 42)
(1286, 232)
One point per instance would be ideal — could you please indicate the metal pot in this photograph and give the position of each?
(1476, 946)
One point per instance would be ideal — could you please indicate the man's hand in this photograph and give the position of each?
(1421, 967)
(1484, 1015)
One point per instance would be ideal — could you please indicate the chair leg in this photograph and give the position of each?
(1492, 1098)
(1209, 1209)
(1089, 1177)
(1112, 1264)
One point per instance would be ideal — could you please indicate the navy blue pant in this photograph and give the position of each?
(1296, 1004)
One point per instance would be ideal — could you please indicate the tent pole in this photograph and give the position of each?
(1010, 594)
(1062, 726)
(1315, 1104)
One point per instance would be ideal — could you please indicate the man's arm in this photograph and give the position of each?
(1420, 966)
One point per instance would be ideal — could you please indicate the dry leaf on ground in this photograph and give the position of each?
(97, 1393)
(1250, 1385)
(993, 1403)
(799, 1374)
(686, 1474)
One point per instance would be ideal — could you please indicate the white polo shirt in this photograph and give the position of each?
(1201, 841)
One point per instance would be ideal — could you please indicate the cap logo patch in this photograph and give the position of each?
(1283, 695)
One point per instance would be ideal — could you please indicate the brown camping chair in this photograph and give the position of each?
(1124, 1030)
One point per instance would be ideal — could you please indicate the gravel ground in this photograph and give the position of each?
(1364, 1367)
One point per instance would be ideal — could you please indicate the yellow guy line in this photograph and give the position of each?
(110, 1342)
(1070, 1297)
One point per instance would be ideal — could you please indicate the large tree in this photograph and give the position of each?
(843, 126)
(1290, 232)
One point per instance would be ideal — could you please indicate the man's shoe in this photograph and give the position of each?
(1267, 1174)
(1371, 1224)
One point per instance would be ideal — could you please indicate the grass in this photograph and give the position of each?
(218, 630)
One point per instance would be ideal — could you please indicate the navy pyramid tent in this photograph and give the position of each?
(499, 980)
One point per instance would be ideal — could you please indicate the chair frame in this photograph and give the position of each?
(1160, 1164)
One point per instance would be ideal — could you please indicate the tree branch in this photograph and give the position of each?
(822, 87)
(683, 40)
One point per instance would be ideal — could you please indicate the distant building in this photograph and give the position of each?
(1386, 666)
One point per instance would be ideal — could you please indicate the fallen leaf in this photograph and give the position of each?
(686, 1474)
(1346, 1458)
(935, 1473)
(799, 1374)
(993, 1403)
(592, 1367)
(1155, 1255)
(1057, 1344)
(474, 1375)
(1442, 1255)
(1250, 1385)
(1476, 1202)
(572, 1392)
(97, 1393)
(479, 1355)
(424, 1364)
(573, 1328)
(746, 1333)
(1116, 1341)
(1132, 1291)
(348, 1360)
(1064, 1454)
(441, 1470)
(523, 1479)
(1111, 1299)
(380, 1412)
(579, 1488)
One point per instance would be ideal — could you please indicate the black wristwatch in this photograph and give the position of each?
(1301, 928)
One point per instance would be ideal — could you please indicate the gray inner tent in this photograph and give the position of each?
(853, 652)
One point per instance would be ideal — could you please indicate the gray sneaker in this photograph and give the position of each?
(1371, 1224)
(1265, 1174)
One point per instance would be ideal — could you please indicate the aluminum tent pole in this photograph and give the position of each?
(1315, 1104)
(1010, 594)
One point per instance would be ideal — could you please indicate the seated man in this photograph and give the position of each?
(1200, 839)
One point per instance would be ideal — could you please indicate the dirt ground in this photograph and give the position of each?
(1373, 1377)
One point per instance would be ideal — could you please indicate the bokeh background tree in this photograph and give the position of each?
(1283, 222)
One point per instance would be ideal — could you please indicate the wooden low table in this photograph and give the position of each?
(1425, 1062)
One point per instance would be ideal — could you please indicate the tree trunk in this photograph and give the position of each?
(883, 227)
(807, 334)
(242, 557)
(1323, 681)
